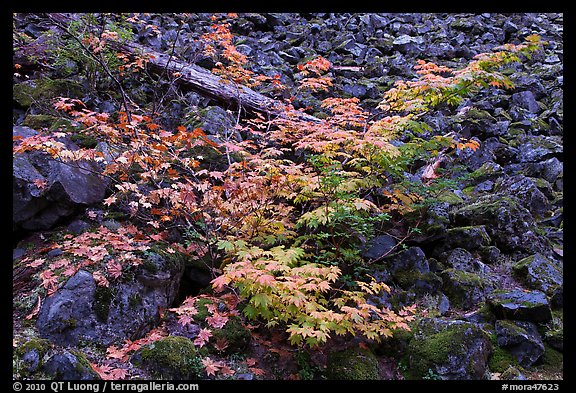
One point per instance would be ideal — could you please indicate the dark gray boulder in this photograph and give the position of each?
(69, 365)
(522, 339)
(526, 191)
(539, 272)
(530, 306)
(453, 350)
(68, 186)
(83, 311)
(465, 290)
(379, 246)
(508, 223)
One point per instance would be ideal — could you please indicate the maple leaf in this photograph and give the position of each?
(49, 281)
(36, 263)
(114, 352)
(250, 362)
(217, 321)
(101, 370)
(257, 371)
(100, 279)
(210, 366)
(203, 337)
(114, 268)
(110, 200)
(185, 319)
(221, 344)
(40, 183)
(118, 374)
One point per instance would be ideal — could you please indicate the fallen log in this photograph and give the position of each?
(202, 80)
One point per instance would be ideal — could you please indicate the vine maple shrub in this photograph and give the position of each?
(279, 217)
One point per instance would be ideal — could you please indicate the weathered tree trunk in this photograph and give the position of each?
(203, 81)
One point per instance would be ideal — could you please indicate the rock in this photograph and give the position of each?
(551, 169)
(527, 101)
(512, 374)
(523, 188)
(379, 246)
(464, 289)
(352, 364)
(530, 306)
(66, 316)
(68, 187)
(80, 310)
(490, 254)
(509, 224)
(32, 354)
(469, 238)
(539, 272)
(412, 259)
(521, 338)
(454, 350)
(18, 253)
(555, 338)
(170, 358)
(418, 282)
(69, 365)
(217, 121)
(538, 148)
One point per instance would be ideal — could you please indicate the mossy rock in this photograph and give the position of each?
(39, 121)
(520, 305)
(501, 360)
(70, 365)
(30, 356)
(170, 358)
(352, 364)
(451, 349)
(555, 338)
(468, 237)
(465, 290)
(417, 281)
(539, 272)
(42, 91)
(512, 374)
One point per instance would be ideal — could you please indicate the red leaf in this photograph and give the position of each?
(203, 337)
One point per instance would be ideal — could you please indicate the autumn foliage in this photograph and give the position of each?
(282, 216)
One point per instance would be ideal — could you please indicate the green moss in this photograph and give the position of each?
(236, 335)
(458, 284)
(40, 345)
(552, 360)
(22, 94)
(406, 279)
(26, 94)
(39, 121)
(449, 197)
(170, 358)
(430, 350)
(511, 373)
(82, 364)
(202, 309)
(501, 360)
(84, 140)
(479, 114)
(352, 364)
(103, 297)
